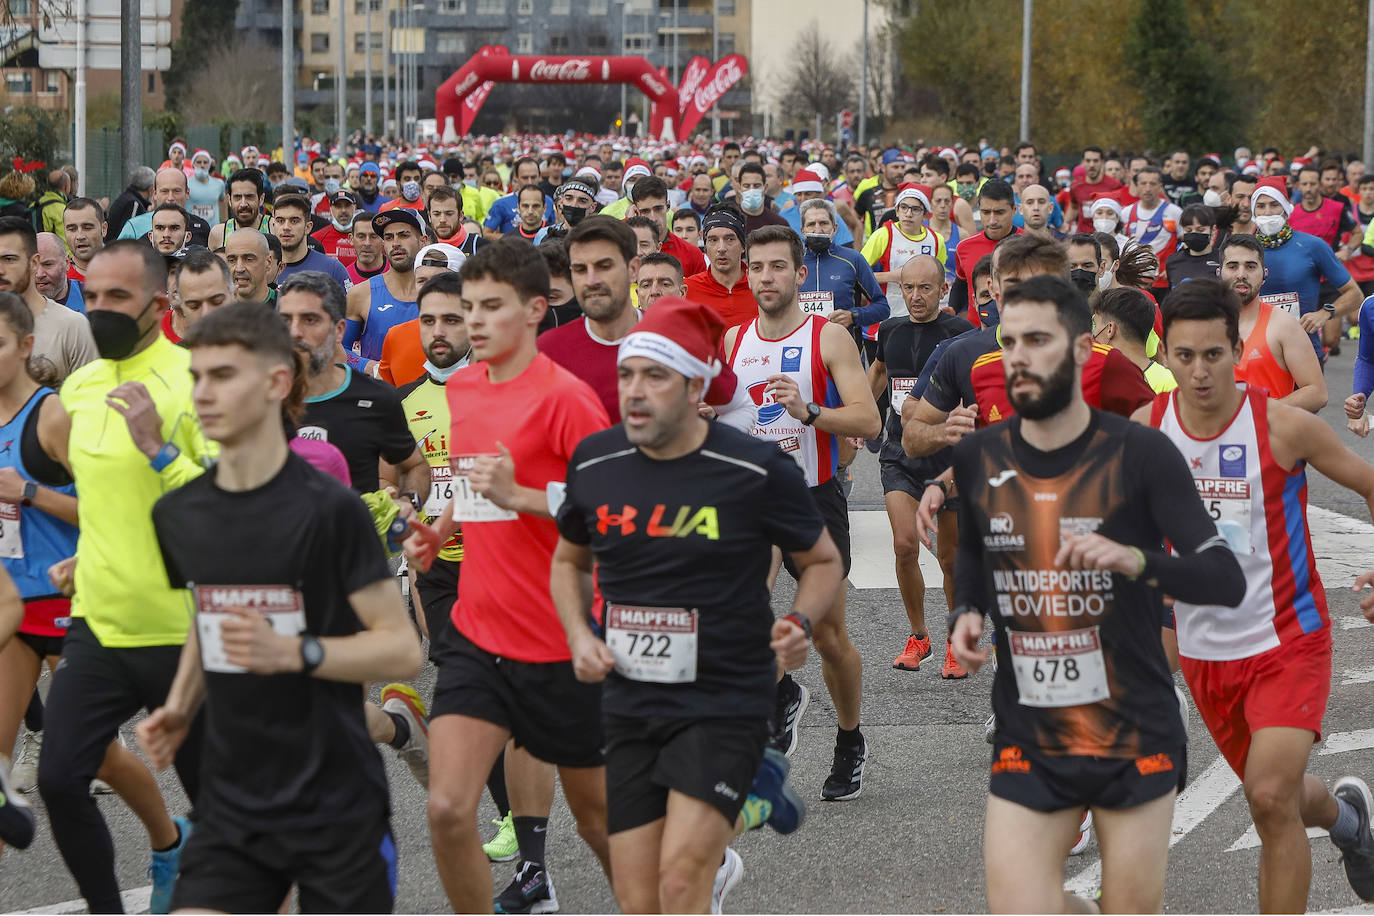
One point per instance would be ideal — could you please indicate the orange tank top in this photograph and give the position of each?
(1258, 366)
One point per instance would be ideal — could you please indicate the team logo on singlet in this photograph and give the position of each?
(1232, 460)
(769, 410)
(791, 359)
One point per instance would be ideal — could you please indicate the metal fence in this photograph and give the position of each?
(104, 171)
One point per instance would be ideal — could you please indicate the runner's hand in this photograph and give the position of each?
(960, 422)
(11, 485)
(1367, 602)
(968, 629)
(161, 734)
(788, 644)
(252, 643)
(592, 659)
(843, 317)
(1354, 406)
(932, 498)
(62, 574)
(1312, 322)
(1093, 551)
(706, 411)
(422, 546)
(785, 392)
(493, 476)
(1359, 427)
(132, 401)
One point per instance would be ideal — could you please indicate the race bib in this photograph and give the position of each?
(1286, 301)
(901, 388)
(1058, 669)
(792, 446)
(818, 302)
(468, 505)
(283, 607)
(11, 543)
(656, 645)
(440, 491)
(1227, 501)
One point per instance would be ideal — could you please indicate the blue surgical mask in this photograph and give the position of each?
(331, 185)
(751, 199)
(567, 173)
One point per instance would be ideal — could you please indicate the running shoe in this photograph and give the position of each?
(1358, 857)
(163, 871)
(917, 650)
(16, 819)
(530, 891)
(503, 847)
(952, 671)
(846, 773)
(404, 701)
(727, 876)
(771, 788)
(1085, 835)
(990, 728)
(790, 704)
(24, 776)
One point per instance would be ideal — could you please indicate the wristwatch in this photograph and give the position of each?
(937, 482)
(30, 491)
(802, 621)
(312, 653)
(1330, 308)
(813, 413)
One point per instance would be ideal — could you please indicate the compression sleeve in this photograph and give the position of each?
(970, 588)
(878, 308)
(1363, 382)
(353, 329)
(1204, 571)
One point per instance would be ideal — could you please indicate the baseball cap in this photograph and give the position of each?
(341, 195)
(891, 156)
(399, 215)
(441, 251)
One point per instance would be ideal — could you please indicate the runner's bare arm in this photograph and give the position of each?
(161, 734)
(359, 300)
(1299, 436)
(570, 585)
(877, 378)
(11, 610)
(1296, 353)
(821, 576)
(926, 428)
(414, 475)
(857, 414)
(493, 476)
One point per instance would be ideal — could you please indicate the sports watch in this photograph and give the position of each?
(813, 413)
(312, 653)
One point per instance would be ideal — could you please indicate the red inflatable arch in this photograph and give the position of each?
(460, 97)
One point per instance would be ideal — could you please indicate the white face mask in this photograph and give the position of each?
(1271, 224)
(1104, 224)
(1211, 198)
(1105, 281)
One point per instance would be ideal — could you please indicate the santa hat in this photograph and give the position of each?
(820, 169)
(682, 335)
(1107, 203)
(588, 171)
(636, 168)
(176, 145)
(807, 180)
(201, 152)
(1274, 187)
(912, 191)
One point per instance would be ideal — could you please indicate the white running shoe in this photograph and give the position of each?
(727, 876)
(24, 776)
(1085, 835)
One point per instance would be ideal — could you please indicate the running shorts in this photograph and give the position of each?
(897, 478)
(830, 499)
(1047, 782)
(438, 590)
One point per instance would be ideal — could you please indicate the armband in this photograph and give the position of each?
(165, 456)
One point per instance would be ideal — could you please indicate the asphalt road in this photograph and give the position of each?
(912, 840)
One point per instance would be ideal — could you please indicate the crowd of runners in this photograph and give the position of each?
(551, 414)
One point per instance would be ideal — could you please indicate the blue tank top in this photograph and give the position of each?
(384, 312)
(76, 298)
(44, 538)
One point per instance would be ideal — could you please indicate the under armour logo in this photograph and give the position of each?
(624, 520)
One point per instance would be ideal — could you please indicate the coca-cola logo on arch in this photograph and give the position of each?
(727, 73)
(574, 70)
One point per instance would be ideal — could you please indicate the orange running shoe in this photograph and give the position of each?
(917, 650)
(952, 670)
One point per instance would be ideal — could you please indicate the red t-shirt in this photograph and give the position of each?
(1110, 382)
(541, 415)
(403, 358)
(74, 274)
(735, 306)
(966, 257)
(338, 245)
(167, 330)
(1083, 194)
(593, 360)
(689, 256)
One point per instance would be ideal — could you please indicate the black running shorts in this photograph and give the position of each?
(1045, 782)
(44, 646)
(830, 499)
(547, 710)
(438, 590)
(350, 867)
(712, 760)
(897, 477)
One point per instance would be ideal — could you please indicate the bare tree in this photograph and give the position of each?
(817, 83)
(883, 67)
(236, 77)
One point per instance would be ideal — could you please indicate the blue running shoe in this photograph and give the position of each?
(163, 871)
(16, 818)
(770, 784)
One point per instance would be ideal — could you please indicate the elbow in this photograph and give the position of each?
(873, 423)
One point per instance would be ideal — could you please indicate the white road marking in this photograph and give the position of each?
(1357, 675)
(874, 563)
(135, 901)
(1340, 742)
(1250, 838)
(1332, 536)
(1352, 622)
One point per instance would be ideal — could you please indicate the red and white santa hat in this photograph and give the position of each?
(199, 153)
(1272, 186)
(636, 167)
(176, 145)
(912, 191)
(682, 335)
(807, 180)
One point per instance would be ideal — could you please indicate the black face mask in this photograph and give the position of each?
(116, 334)
(1085, 280)
(818, 244)
(574, 215)
(1196, 241)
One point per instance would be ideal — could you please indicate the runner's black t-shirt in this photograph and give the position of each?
(904, 346)
(284, 751)
(692, 533)
(364, 419)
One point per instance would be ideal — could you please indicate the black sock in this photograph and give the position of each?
(848, 738)
(530, 833)
(402, 730)
(174, 845)
(496, 785)
(33, 716)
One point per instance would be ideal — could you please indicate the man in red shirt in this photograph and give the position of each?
(516, 416)
(723, 286)
(997, 207)
(1094, 184)
(337, 237)
(650, 197)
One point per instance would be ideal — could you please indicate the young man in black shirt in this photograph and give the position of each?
(904, 344)
(680, 516)
(295, 610)
(1062, 515)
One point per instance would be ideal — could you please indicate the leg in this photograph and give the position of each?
(1168, 636)
(462, 750)
(901, 515)
(19, 669)
(134, 782)
(585, 790)
(1023, 856)
(946, 546)
(841, 664)
(634, 859)
(1274, 787)
(693, 842)
(1135, 855)
(529, 782)
(380, 728)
